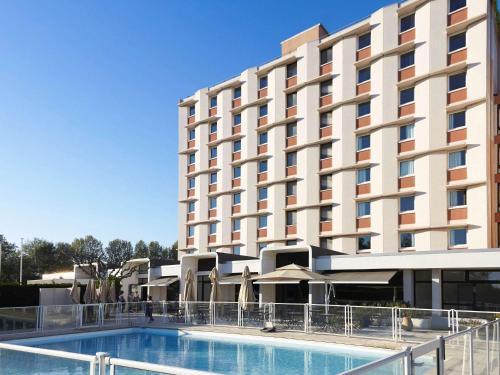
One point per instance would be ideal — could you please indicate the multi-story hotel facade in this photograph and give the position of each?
(371, 148)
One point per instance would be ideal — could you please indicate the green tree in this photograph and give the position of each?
(141, 250)
(10, 261)
(155, 251)
(42, 255)
(63, 257)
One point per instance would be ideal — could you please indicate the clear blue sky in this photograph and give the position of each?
(88, 102)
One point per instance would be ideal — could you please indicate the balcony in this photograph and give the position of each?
(325, 131)
(212, 111)
(190, 144)
(262, 149)
(363, 222)
(291, 171)
(235, 236)
(291, 141)
(262, 205)
(406, 73)
(212, 137)
(236, 209)
(363, 88)
(325, 226)
(457, 95)
(325, 100)
(291, 200)
(262, 232)
(290, 82)
(190, 216)
(212, 162)
(406, 109)
(236, 103)
(190, 241)
(291, 229)
(212, 238)
(212, 188)
(212, 213)
(262, 121)
(457, 16)
(261, 177)
(325, 163)
(325, 68)
(325, 195)
(190, 120)
(457, 56)
(236, 129)
(236, 182)
(190, 193)
(291, 111)
(190, 168)
(236, 156)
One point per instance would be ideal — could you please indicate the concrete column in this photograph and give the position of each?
(408, 287)
(436, 289)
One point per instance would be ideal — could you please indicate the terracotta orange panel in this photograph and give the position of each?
(190, 192)
(363, 53)
(190, 144)
(325, 226)
(457, 96)
(325, 195)
(407, 36)
(212, 238)
(190, 168)
(363, 88)
(456, 57)
(363, 222)
(363, 155)
(212, 162)
(190, 216)
(325, 163)
(363, 121)
(457, 213)
(237, 129)
(406, 73)
(406, 146)
(236, 155)
(262, 176)
(406, 182)
(236, 209)
(406, 110)
(291, 141)
(291, 200)
(292, 111)
(292, 81)
(236, 102)
(212, 137)
(190, 119)
(363, 189)
(497, 178)
(262, 149)
(457, 174)
(291, 171)
(457, 135)
(235, 236)
(457, 17)
(190, 241)
(325, 132)
(261, 205)
(497, 217)
(212, 212)
(212, 188)
(496, 139)
(236, 182)
(325, 69)
(262, 93)
(325, 100)
(212, 111)
(262, 121)
(262, 233)
(291, 229)
(405, 219)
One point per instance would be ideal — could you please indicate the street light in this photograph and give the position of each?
(21, 263)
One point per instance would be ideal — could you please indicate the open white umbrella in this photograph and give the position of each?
(246, 296)
(215, 293)
(188, 294)
(75, 292)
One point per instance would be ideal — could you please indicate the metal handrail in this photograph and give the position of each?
(376, 364)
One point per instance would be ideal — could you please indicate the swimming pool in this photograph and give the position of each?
(220, 353)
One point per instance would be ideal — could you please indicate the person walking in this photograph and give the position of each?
(149, 309)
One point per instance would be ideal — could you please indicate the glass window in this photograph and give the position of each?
(263, 82)
(291, 217)
(262, 222)
(213, 152)
(291, 243)
(406, 168)
(457, 198)
(213, 127)
(237, 250)
(456, 120)
(407, 23)
(458, 237)
(236, 172)
(236, 199)
(190, 231)
(406, 60)
(237, 119)
(364, 75)
(291, 70)
(407, 96)
(291, 100)
(192, 111)
(325, 151)
(237, 93)
(457, 81)
(484, 275)
(456, 159)
(212, 202)
(291, 130)
(192, 134)
(263, 138)
(363, 175)
(263, 110)
(237, 145)
(454, 276)
(406, 132)
(364, 109)
(191, 158)
(457, 4)
(457, 42)
(291, 188)
(325, 88)
(212, 228)
(213, 178)
(325, 119)
(213, 102)
(236, 225)
(262, 166)
(363, 209)
(407, 204)
(325, 56)
(326, 243)
(364, 242)
(406, 240)
(325, 182)
(262, 246)
(191, 206)
(262, 193)
(364, 40)
(363, 142)
(291, 159)
(325, 213)
(191, 183)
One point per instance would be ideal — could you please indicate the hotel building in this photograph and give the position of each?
(373, 148)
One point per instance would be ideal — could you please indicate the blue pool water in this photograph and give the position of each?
(213, 352)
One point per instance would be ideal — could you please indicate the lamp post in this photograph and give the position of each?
(21, 263)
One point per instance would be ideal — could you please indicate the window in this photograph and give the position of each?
(213, 178)
(262, 193)
(364, 109)
(291, 217)
(457, 81)
(237, 250)
(325, 182)
(291, 159)
(213, 102)
(457, 198)
(364, 209)
(325, 88)
(262, 166)
(456, 159)
(363, 175)
(457, 42)
(213, 152)
(212, 228)
(291, 130)
(291, 100)
(325, 213)
(456, 120)
(262, 222)
(213, 127)
(261, 246)
(291, 243)
(362, 142)
(325, 56)
(237, 92)
(406, 60)
(237, 145)
(212, 202)
(364, 40)
(406, 240)
(406, 168)
(407, 204)
(263, 110)
(191, 183)
(190, 231)
(325, 119)
(291, 188)
(262, 82)
(325, 151)
(262, 138)
(364, 74)
(192, 111)
(190, 207)
(458, 237)
(326, 243)
(364, 242)
(236, 172)
(457, 4)
(407, 96)
(236, 225)
(291, 70)
(236, 199)
(192, 134)
(406, 132)
(407, 23)
(237, 119)
(191, 158)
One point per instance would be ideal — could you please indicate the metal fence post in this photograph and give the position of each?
(408, 363)
(471, 353)
(440, 357)
(487, 349)
(306, 317)
(101, 362)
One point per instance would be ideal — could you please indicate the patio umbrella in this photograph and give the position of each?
(215, 293)
(75, 292)
(188, 294)
(246, 297)
(103, 291)
(90, 295)
(112, 292)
